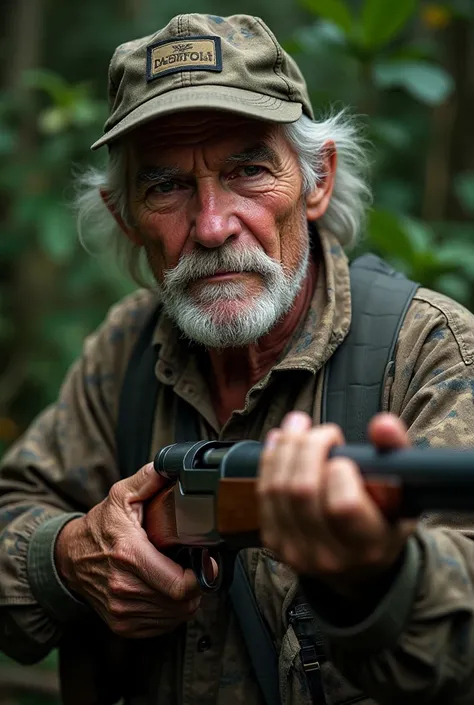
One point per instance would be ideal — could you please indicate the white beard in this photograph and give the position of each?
(210, 316)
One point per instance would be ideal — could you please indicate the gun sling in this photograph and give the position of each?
(354, 380)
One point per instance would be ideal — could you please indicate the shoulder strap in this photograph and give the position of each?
(137, 405)
(353, 384)
(312, 646)
(257, 638)
(355, 375)
(137, 402)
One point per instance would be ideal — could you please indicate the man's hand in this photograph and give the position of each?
(106, 558)
(316, 514)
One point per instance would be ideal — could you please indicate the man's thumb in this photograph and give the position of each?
(144, 484)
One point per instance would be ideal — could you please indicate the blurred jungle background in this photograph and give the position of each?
(406, 66)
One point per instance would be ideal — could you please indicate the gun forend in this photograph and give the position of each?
(404, 483)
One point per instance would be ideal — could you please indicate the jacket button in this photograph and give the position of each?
(204, 644)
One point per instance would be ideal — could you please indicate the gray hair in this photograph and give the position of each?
(344, 217)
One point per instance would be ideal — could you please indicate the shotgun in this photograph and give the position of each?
(210, 507)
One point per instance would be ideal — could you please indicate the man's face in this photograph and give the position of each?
(217, 203)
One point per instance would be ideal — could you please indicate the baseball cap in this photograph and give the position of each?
(199, 61)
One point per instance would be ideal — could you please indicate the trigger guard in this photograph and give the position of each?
(197, 564)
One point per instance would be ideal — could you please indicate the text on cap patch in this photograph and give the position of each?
(188, 54)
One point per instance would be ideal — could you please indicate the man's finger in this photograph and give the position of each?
(297, 421)
(143, 485)
(165, 575)
(350, 512)
(388, 431)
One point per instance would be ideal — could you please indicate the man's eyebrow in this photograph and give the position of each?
(257, 153)
(151, 174)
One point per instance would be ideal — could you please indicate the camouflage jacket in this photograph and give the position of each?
(417, 644)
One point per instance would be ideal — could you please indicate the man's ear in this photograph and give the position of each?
(317, 201)
(131, 233)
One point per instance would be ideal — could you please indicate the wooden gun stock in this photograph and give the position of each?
(237, 506)
(237, 510)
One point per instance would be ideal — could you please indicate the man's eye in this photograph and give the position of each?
(252, 170)
(162, 188)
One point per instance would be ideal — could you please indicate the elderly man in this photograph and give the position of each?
(239, 201)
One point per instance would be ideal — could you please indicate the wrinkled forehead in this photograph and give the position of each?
(212, 129)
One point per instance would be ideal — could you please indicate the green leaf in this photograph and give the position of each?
(12, 244)
(335, 11)
(420, 234)
(52, 83)
(381, 20)
(455, 231)
(85, 111)
(462, 9)
(426, 82)
(394, 193)
(393, 133)
(464, 190)
(53, 120)
(7, 329)
(454, 286)
(292, 46)
(7, 142)
(56, 234)
(459, 255)
(386, 233)
(319, 38)
(426, 49)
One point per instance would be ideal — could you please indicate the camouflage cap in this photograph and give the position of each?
(203, 62)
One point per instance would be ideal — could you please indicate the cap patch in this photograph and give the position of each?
(188, 54)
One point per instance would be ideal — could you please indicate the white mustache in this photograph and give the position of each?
(201, 264)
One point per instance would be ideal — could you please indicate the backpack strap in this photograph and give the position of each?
(257, 638)
(353, 385)
(312, 646)
(354, 377)
(137, 403)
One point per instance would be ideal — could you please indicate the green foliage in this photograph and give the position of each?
(464, 189)
(381, 21)
(375, 56)
(333, 10)
(426, 82)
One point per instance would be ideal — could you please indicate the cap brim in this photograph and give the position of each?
(228, 99)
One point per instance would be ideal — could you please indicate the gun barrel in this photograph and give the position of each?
(413, 465)
(409, 465)
(417, 479)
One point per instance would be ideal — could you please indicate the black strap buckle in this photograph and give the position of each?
(312, 651)
(309, 656)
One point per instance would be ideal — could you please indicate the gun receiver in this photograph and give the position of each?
(211, 501)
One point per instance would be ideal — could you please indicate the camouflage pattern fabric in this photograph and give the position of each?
(65, 463)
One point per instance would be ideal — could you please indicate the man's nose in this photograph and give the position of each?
(213, 220)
